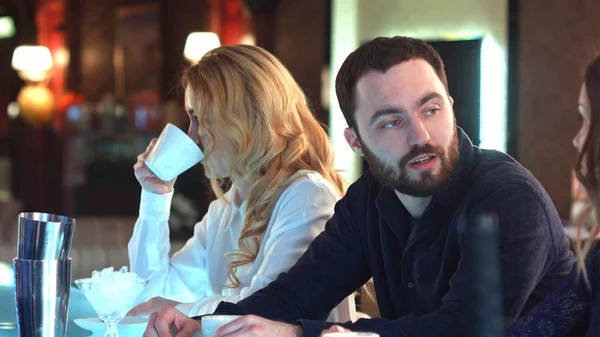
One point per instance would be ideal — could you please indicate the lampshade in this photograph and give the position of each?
(32, 62)
(199, 43)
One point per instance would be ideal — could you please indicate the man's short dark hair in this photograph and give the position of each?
(380, 54)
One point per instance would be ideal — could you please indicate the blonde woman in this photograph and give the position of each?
(252, 121)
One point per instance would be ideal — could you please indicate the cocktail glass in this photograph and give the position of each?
(112, 294)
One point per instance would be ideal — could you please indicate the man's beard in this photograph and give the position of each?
(397, 177)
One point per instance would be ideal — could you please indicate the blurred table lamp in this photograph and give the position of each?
(36, 101)
(199, 43)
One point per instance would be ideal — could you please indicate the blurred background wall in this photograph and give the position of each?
(557, 39)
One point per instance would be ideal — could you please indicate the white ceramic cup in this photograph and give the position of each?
(173, 153)
(211, 323)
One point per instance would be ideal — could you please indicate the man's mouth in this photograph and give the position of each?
(422, 159)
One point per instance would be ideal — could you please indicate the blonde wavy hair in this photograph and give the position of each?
(244, 97)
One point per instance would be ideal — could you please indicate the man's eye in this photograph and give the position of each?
(432, 111)
(392, 123)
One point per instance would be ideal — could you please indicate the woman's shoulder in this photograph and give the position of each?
(305, 199)
(304, 188)
(306, 181)
(221, 203)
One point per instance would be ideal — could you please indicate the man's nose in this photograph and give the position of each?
(418, 134)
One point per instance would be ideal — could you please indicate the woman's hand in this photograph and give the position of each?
(152, 305)
(147, 179)
(170, 323)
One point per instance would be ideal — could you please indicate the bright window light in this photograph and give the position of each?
(492, 113)
(344, 41)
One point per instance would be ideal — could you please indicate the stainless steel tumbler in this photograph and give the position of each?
(43, 236)
(42, 289)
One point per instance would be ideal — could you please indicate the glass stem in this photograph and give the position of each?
(111, 328)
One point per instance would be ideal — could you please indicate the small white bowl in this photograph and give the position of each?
(129, 326)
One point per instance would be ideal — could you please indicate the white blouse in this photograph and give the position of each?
(196, 275)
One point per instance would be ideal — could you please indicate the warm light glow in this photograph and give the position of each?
(13, 110)
(7, 27)
(199, 43)
(61, 57)
(37, 104)
(248, 38)
(32, 62)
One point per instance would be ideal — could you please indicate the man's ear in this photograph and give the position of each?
(353, 141)
(451, 100)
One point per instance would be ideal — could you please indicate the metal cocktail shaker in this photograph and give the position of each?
(43, 274)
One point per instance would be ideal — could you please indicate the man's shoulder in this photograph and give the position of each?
(496, 172)
(496, 168)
